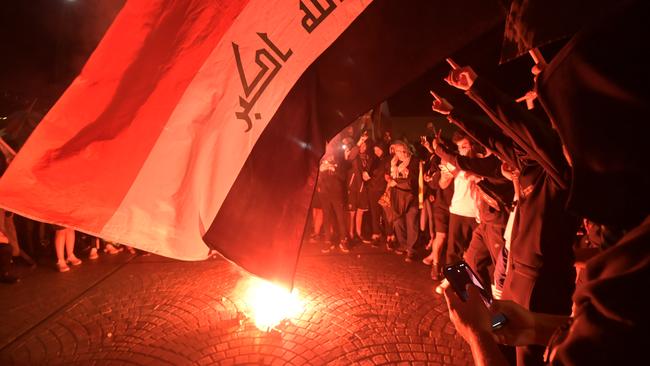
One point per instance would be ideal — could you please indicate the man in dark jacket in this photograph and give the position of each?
(541, 275)
(599, 78)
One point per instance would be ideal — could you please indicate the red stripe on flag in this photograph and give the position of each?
(136, 76)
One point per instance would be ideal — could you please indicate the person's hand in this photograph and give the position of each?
(362, 139)
(440, 104)
(324, 165)
(508, 171)
(394, 160)
(537, 69)
(427, 178)
(540, 63)
(470, 317)
(474, 178)
(529, 98)
(365, 176)
(461, 77)
(392, 183)
(520, 328)
(425, 144)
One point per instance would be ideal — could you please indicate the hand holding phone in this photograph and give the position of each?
(459, 276)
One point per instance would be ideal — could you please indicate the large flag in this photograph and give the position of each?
(202, 122)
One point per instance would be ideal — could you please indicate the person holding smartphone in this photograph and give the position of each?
(595, 82)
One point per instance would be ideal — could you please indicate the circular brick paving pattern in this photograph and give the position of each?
(364, 308)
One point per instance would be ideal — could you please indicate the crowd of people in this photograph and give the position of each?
(509, 194)
(580, 162)
(494, 195)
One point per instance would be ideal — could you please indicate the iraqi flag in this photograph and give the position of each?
(199, 124)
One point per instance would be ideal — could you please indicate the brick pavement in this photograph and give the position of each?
(363, 308)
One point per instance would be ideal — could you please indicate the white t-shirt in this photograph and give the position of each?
(507, 234)
(463, 202)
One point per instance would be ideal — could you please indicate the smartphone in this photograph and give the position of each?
(459, 275)
(498, 320)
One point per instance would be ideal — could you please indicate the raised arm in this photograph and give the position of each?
(482, 131)
(533, 135)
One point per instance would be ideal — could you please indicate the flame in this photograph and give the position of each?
(269, 304)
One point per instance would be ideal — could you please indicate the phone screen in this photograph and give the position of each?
(461, 274)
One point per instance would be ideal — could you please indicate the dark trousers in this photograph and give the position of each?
(375, 211)
(461, 229)
(334, 216)
(483, 251)
(389, 220)
(406, 229)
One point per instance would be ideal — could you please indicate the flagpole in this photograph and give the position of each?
(537, 56)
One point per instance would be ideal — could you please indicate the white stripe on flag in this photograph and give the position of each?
(204, 145)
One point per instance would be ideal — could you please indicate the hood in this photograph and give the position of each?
(596, 92)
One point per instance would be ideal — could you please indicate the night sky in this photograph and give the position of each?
(44, 44)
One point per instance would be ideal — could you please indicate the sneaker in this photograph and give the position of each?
(328, 249)
(408, 259)
(375, 243)
(110, 249)
(62, 267)
(399, 251)
(440, 289)
(427, 260)
(74, 261)
(365, 240)
(343, 245)
(93, 253)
